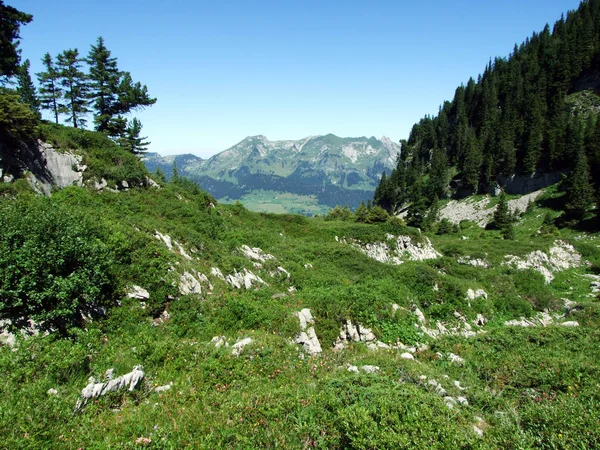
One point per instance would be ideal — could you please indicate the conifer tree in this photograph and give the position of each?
(26, 89)
(131, 141)
(579, 191)
(361, 212)
(113, 92)
(438, 174)
(501, 216)
(104, 84)
(76, 88)
(11, 20)
(50, 90)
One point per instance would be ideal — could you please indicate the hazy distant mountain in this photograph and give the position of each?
(331, 169)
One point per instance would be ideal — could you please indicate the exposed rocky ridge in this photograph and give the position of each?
(44, 166)
(395, 249)
(478, 211)
(560, 256)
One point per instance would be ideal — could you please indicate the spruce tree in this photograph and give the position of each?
(50, 90)
(579, 190)
(132, 141)
(104, 84)
(11, 20)
(26, 89)
(113, 92)
(75, 101)
(502, 214)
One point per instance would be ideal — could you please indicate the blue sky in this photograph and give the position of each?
(225, 70)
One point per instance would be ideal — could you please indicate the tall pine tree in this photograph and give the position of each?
(26, 89)
(50, 90)
(132, 141)
(75, 85)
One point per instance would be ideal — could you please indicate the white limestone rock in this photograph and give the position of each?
(561, 256)
(138, 293)
(256, 254)
(129, 381)
(370, 369)
(218, 341)
(238, 347)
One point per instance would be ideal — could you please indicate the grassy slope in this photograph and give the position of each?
(534, 388)
(269, 396)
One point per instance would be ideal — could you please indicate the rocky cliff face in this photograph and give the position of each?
(42, 165)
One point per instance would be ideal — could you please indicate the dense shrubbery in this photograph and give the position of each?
(53, 264)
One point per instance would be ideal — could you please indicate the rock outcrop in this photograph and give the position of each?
(93, 390)
(561, 256)
(307, 336)
(396, 249)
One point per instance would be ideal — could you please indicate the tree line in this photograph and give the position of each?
(517, 118)
(70, 85)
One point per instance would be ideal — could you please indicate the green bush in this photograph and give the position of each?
(53, 265)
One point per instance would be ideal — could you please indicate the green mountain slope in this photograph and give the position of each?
(329, 169)
(434, 364)
(532, 115)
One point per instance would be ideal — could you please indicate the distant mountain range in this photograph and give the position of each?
(305, 176)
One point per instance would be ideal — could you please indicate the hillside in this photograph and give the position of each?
(236, 329)
(313, 173)
(527, 120)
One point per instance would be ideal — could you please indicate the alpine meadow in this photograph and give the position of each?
(440, 292)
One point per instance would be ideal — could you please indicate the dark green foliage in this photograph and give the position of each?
(26, 89)
(17, 120)
(132, 141)
(524, 114)
(50, 90)
(113, 93)
(76, 88)
(11, 20)
(579, 190)
(339, 213)
(53, 265)
(502, 214)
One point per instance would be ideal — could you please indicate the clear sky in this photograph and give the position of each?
(224, 70)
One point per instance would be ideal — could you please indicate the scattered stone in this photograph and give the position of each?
(245, 279)
(450, 402)
(308, 266)
(407, 355)
(420, 315)
(216, 272)
(93, 390)
(370, 369)
(164, 388)
(165, 238)
(307, 337)
(219, 341)
(455, 359)
(462, 400)
(472, 295)
(352, 369)
(458, 386)
(238, 347)
(541, 319)
(164, 317)
(571, 323)
(138, 293)
(478, 430)
(475, 262)
(279, 295)
(52, 391)
(256, 254)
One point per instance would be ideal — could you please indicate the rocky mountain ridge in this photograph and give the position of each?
(334, 170)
